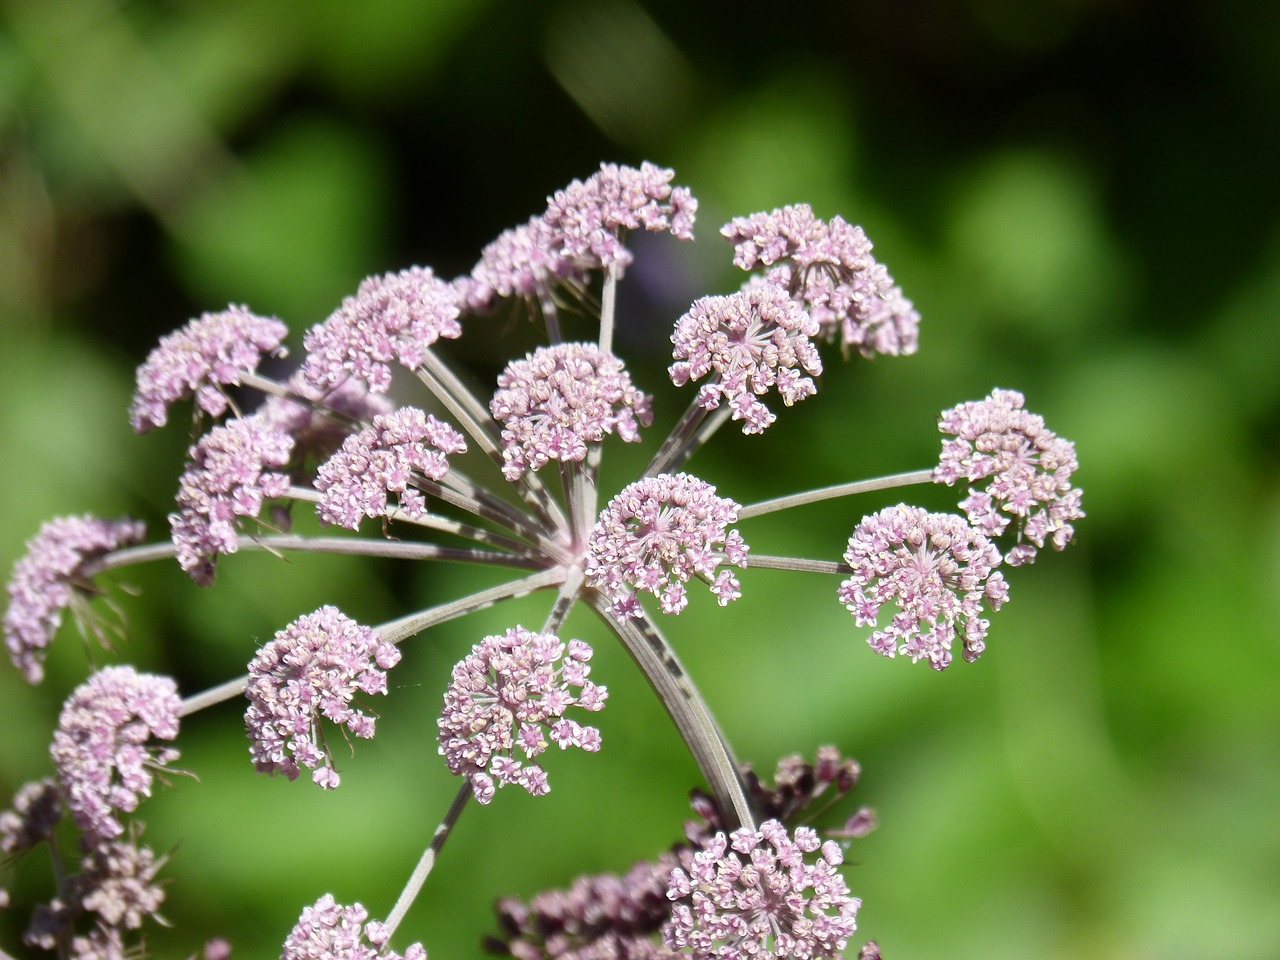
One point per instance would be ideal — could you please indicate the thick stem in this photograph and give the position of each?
(608, 305)
(672, 446)
(428, 860)
(655, 658)
(839, 490)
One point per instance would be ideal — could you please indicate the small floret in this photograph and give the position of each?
(1018, 471)
(506, 697)
(656, 535)
(209, 353)
(48, 580)
(939, 571)
(328, 930)
(313, 668)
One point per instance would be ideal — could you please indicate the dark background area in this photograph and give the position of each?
(1080, 197)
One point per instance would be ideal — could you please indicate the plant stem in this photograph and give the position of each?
(830, 493)
(428, 860)
(658, 662)
(797, 564)
(608, 303)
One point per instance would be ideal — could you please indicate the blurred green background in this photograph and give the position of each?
(1079, 195)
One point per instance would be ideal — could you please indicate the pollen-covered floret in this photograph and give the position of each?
(101, 750)
(1018, 471)
(587, 218)
(828, 267)
(939, 571)
(559, 399)
(761, 893)
(656, 535)
(228, 476)
(313, 668)
(748, 343)
(506, 697)
(385, 458)
(47, 580)
(211, 352)
(392, 318)
(328, 930)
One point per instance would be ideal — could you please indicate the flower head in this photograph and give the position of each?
(48, 579)
(100, 750)
(587, 218)
(319, 420)
(227, 477)
(313, 668)
(504, 696)
(395, 317)
(559, 399)
(761, 893)
(521, 262)
(937, 568)
(207, 354)
(656, 535)
(327, 930)
(748, 342)
(36, 811)
(828, 267)
(381, 459)
(1017, 470)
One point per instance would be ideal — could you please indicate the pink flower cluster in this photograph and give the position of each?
(748, 342)
(328, 930)
(656, 535)
(504, 696)
(828, 267)
(761, 893)
(207, 354)
(100, 750)
(228, 476)
(47, 580)
(384, 458)
(937, 568)
(313, 668)
(559, 399)
(392, 318)
(581, 230)
(1018, 470)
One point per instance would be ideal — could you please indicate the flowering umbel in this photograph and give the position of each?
(512, 477)
(313, 668)
(506, 698)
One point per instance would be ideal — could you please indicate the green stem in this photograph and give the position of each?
(839, 490)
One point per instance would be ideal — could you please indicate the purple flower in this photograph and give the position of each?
(116, 888)
(384, 458)
(328, 930)
(657, 534)
(521, 262)
(937, 568)
(600, 916)
(227, 477)
(1017, 470)
(395, 317)
(36, 811)
(559, 399)
(508, 695)
(199, 360)
(748, 342)
(100, 750)
(587, 218)
(47, 580)
(829, 268)
(761, 893)
(314, 667)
